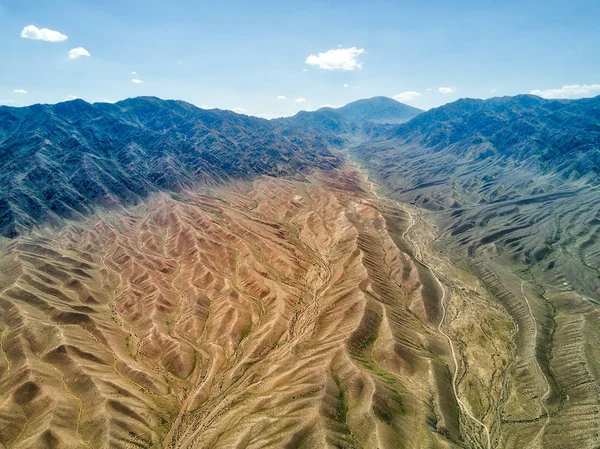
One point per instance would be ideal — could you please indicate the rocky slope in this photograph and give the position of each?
(232, 282)
(61, 161)
(519, 173)
(513, 184)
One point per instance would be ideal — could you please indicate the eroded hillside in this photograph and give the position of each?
(282, 313)
(512, 184)
(63, 161)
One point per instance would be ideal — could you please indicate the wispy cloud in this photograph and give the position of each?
(406, 97)
(239, 110)
(136, 81)
(10, 101)
(346, 84)
(133, 72)
(446, 90)
(20, 91)
(300, 100)
(76, 53)
(42, 34)
(337, 59)
(282, 97)
(71, 97)
(569, 91)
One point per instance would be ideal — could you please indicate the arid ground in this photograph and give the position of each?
(300, 312)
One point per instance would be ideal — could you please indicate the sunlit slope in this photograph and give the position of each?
(283, 313)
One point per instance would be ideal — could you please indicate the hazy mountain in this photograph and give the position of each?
(461, 151)
(378, 110)
(558, 136)
(59, 161)
(362, 118)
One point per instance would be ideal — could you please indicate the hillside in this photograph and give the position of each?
(62, 161)
(513, 185)
(509, 171)
(178, 278)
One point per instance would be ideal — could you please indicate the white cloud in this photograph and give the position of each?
(76, 53)
(337, 59)
(179, 62)
(20, 91)
(429, 89)
(492, 90)
(136, 81)
(133, 72)
(407, 96)
(282, 97)
(569, 91)
(305, 70)
(43, 34)
(104, 100)
(345, 84)
(300, 100)
(239, 110)
(71, 97)
(206, 106)
(332, 106)
(446, 90)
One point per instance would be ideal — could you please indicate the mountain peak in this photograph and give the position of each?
(379, 110)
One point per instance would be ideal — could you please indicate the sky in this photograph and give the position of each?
(274, 58)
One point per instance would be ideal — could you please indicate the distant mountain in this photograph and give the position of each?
(60, 161)
(382, 110)
(445, 148)
(556, 135)
(360, 119)
(512, 172)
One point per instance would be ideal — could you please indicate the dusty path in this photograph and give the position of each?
(547, 391)
(418, 250)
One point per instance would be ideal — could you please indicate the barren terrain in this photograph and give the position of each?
(283, 312)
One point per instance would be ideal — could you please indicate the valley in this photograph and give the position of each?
(340, 278)
(286, 312)
(298, 312)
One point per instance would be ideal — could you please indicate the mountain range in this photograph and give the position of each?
(510, 171)
(369, 276)
(59, 161)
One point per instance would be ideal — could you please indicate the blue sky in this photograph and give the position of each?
(243, 55)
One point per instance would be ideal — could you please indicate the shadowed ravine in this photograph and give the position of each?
(283, 312)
